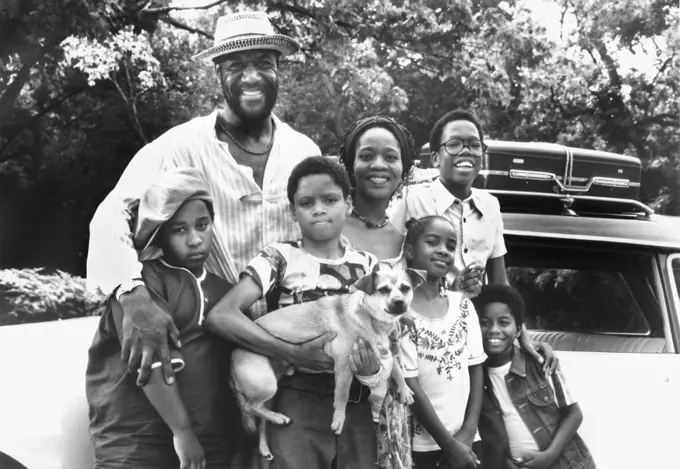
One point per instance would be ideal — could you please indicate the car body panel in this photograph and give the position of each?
(43, 410)
(623, 401)
(658, 231)
(630, 406)
(630, 401)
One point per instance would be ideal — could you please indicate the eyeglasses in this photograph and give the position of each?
(454, 146)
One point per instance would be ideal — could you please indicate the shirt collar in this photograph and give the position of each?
(444, 199)
(200, 278)
(213, 120)
(519, 364)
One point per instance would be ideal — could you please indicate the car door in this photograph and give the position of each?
(43, 410)
(603, 308)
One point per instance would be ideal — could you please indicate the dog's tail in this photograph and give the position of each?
(247, 418)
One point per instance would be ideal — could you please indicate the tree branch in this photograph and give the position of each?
(669, 119)
(164, 10)
(662, 69)
(179, 25)
(568, 114)
(282, 6)
(565, 8)
(609, 62)
(49, 108)
(12, 92)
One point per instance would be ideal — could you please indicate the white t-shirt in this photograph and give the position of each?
(445, 347)
(520, 437)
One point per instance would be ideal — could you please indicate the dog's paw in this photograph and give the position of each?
(338, 422)
(406, 395)
(267, 455)
(280, 419)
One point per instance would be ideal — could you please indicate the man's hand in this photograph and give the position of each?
(311, 356)
(536, 460)
(471, 280)
(189, 450)
(363, 361)
(146, 327)
(459, 456)
(538, 350)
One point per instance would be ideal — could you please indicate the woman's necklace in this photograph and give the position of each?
(236, 142)
(369, 224)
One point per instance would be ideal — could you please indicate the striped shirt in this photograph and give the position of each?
(247, 217)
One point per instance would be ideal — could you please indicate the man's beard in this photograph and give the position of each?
(252, 118)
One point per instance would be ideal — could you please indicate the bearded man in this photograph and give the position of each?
(245, 154)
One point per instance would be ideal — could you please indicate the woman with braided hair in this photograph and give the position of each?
(378, 154)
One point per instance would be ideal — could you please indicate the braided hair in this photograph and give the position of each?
(407, 145)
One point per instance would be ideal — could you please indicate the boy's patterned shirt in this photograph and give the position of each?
(288, 274)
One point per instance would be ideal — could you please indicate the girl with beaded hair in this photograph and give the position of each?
(378, 154)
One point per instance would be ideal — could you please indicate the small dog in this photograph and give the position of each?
(371, 311)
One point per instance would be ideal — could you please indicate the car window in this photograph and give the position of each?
(578, 300)
(588, 297)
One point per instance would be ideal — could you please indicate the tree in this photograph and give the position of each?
(79, 119)
(32, 30)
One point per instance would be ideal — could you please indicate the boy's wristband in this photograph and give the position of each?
(128, 286)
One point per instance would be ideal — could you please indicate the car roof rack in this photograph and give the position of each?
(570, 204)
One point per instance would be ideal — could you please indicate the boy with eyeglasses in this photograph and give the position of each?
(457, 145)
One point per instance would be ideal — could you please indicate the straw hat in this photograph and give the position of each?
(246, 30)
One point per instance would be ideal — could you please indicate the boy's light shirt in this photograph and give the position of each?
(247, 218)
(477, 219)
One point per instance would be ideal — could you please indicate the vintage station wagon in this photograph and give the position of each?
(600, 278)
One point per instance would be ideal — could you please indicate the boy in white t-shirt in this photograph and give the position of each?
(528, 418)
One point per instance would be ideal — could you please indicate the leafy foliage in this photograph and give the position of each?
(83, 85)
(34, 295)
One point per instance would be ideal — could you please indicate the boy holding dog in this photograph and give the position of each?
(297, 271)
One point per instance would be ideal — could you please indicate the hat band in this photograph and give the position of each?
(238, 37)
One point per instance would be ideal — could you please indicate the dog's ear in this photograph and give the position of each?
(417, 276)
(365, 283)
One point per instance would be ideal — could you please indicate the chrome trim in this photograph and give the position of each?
(493, 172)
(673, 287)
(569, 171)
(658, 285)
(573, 198)
(568, 187)
(610, 182)
(599, 239)
(532, 175)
